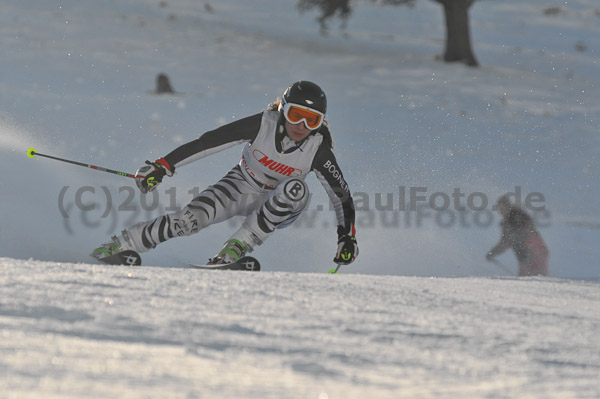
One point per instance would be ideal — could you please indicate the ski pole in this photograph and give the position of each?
(502, 266)
(31, 153)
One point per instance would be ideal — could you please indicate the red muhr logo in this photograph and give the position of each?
(275, 166)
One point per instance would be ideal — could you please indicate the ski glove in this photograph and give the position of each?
(347, 249)
(150, 176)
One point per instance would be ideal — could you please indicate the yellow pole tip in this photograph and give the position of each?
(31, 152)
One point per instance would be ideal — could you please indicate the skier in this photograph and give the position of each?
(519, 232)
(283, 144)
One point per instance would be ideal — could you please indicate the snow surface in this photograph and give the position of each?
(151, 332)
(77, 81)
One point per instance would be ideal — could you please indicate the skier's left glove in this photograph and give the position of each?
(347, 249)
(149, 176)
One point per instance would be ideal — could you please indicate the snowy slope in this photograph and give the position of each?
(104, 332)
(77, 81)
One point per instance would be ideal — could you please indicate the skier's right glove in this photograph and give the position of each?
(149, 176)
(347, 249)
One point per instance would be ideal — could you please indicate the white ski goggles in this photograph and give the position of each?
(295, 114)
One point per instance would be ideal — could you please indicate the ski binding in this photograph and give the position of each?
(246, 263)
(126, 258)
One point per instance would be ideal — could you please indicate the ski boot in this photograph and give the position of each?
(232, 251)
(110, 251)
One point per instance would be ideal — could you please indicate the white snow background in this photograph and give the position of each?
(420, 314)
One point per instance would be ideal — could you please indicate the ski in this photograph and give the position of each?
(126, 258)
(247, 263)
(132, 258)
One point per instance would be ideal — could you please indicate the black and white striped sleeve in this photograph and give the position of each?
(330, 175)
(243, 130)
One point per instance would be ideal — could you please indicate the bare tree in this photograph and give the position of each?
(456, 13)
(458, 35)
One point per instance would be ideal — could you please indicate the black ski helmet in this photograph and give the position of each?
(306, 93)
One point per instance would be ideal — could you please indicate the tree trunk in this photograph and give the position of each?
(458, 36)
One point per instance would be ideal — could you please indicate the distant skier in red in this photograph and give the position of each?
(520, 234)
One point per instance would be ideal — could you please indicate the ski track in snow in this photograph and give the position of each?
(97, 331)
